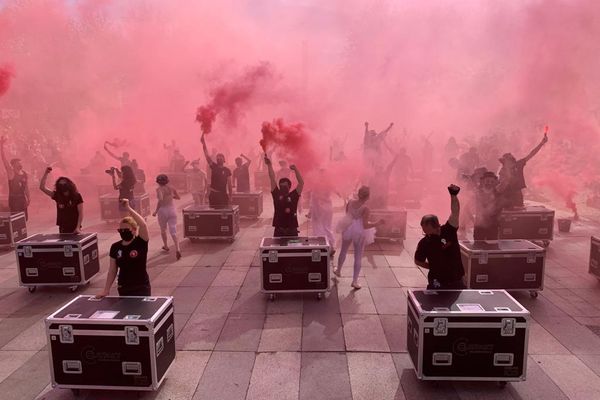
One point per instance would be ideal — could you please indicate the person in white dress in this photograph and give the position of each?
(356, 230)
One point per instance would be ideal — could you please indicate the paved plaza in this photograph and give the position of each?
(235, 344)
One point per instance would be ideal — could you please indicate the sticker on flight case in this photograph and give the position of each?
(470, 307)
(101, 314)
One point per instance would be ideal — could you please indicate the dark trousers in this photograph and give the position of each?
(18, 204)
(285, 232)
(134, 290)
(218, 199)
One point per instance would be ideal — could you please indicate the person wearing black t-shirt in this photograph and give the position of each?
(18, 189)
(219, 192)
(128, 257)
(285, 202)
(439, 251)
(69, 203)
(241, 174)
(511, 177)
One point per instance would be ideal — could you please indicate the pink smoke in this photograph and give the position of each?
(230, 98)
(6, 74)
(564, 187)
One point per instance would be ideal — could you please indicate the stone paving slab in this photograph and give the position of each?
(276, 376)
(324, 376)
(226, 376)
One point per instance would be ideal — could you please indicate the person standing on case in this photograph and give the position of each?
(356, 230)
(167, 215)
(128, 257)
(18, 189)
(241, 174)
(439, 251)
(511, 178)
(219, 192)
(69, 203)
(285, 202)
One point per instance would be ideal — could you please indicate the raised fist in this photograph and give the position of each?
(453, 190)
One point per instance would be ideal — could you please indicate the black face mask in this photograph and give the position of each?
(126, 234)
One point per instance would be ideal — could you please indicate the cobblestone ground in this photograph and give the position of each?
(235, 344)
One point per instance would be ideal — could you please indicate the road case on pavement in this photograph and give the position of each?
(206, 223)
(12, 228)
(530, 222)
(57, 260)
(250, 204)
(294, 265)
(395, 224)
(120, 343)
(471, 335)
(504, 264)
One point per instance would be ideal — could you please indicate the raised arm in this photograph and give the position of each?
(43, 187)
(271, 173)
(298, 178)
(454, 205)
(110, 153)
(385, 131)
(205, 149)
(248, 161)
(9, 170)
(536, 149)
(143, 227)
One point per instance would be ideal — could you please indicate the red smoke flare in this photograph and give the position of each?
(6, 74)
(563, 186)
(230, 97)
(206, 115)
(546, 129)
(289, 140)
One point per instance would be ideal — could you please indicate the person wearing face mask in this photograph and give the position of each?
(487, 208)
(128, 257)
(219, 192)
(18, 189)
(69, 203)
(439, 250)
(285, 202)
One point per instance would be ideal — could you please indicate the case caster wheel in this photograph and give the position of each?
(533, 294)
(272, 297)
(545, 243)
(32, 289)
(502, 384)
(73, 289)
(319, 296)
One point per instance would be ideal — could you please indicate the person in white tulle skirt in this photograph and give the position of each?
(356, 230)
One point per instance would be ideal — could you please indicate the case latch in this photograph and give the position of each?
(316, 255)
(132, 336)
(273, 257)
(66, 334)
(68, 250)
(509, 327)
(440, 327)
(483, 258)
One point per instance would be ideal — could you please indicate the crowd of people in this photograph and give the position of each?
(485, 195)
